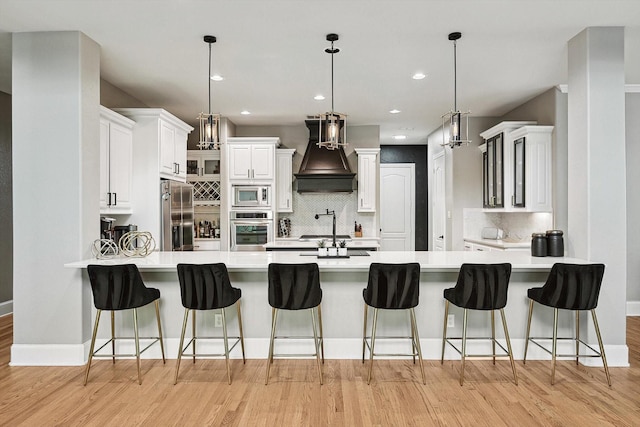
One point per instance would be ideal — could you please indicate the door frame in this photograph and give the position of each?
(412, 170)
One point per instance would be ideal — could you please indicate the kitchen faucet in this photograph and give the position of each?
(334, 225)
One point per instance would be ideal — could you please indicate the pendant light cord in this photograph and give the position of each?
(209, 78)
(332, 52)
(455, 77)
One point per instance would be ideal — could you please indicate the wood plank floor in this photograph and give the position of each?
(48, 396)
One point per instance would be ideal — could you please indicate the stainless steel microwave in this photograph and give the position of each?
(251, 196)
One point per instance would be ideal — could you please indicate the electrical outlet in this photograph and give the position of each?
(451, 321)
(217, 320)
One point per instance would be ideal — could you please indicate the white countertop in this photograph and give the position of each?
(502, 244)
(259, 261)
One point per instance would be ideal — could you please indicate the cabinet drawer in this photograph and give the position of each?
(206, 245)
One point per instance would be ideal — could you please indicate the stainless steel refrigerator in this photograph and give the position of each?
(177, 216)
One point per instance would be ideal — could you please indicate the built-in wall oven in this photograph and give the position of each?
(251, 196)
(250, 230)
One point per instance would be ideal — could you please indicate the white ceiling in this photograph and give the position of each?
(271, 53)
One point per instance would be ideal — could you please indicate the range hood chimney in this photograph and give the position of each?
(323, 170)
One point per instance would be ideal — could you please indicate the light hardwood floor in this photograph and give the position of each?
(47, 396)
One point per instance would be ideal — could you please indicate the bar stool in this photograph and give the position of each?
(392, 287)
(479, 287)
(115, 288)
(296, 287)
(207, 287)
(573, 287)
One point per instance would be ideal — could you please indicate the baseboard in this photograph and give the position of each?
(633, 308)
(334, 348)
(6, 307)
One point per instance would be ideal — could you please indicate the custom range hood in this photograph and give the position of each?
(323, 170)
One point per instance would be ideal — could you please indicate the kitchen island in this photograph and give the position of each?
(342, 282)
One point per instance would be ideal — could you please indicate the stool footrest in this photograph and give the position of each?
(448, 340)
(112, 355)
(184, 354)
(534, 340)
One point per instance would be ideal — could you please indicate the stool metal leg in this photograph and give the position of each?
(373, 343)
(135, 327)
(526, 340)
(493, 334)
(315, 341)
(554, 346)
(241, 332)
(464, 345)
(93, 344)
(444, 329)
(193, 334)
(160, 330)
(274, 317)
(604, 358)
(364, 332)
(184, 327)
(413, 339)
(321, 333)
(506, 335)
(226, 345)
(416, 343)
(113, 336)
(577, 336)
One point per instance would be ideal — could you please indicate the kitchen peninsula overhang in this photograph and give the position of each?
(323, 170)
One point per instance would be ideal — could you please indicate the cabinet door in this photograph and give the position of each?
(495, 178)
(485, 181)
(120, 165)
(193, 165)
(167, 137)
(284, 185)
(367, 183)
(240, 162)
(180, 153)
(210, 164)
(519, 176)
(262, 159)
(104, 163)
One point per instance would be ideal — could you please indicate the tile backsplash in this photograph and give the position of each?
(307, 205)
(516, 225)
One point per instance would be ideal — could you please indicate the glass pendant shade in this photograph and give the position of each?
(332, 126)
(209, 131)
(457, 126)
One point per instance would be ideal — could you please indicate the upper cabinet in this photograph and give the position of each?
(284, 180)
(203, 171)
(251, 159)
(116, 160)
(517, 167)
(367, 178)
(160, 141)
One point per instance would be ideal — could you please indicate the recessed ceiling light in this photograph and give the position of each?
(394, 111)
(245, 112)
(318, 97)
(398, 137)
(217, 78)
(419, 76)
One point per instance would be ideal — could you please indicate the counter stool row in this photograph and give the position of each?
(390, 287)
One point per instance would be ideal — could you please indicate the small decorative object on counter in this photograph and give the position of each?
(284, 227)
(322, 251)
(332, 251)
(342, 250)
(137, 244)
(539, 244)
(555, 243)
(104, 248)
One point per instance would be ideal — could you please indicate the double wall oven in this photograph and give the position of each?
(250, 230)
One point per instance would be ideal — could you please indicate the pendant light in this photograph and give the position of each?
(333, 132)
(455, 117)
(209, 122)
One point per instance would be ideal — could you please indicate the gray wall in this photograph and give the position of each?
(113, 97)
(632, 104)
(6, 204)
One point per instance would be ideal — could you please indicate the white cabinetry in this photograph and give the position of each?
(203, 171)
(367, 178)
(251, 159)
(284, 180)
(160, 138)
(116, 159)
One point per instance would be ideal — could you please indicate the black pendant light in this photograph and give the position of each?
(455, 116)
(333, 125)
(209, 122)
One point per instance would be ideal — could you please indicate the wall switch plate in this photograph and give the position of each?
(217, 320)
(451, 321)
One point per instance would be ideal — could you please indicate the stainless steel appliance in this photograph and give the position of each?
(252, 196)
(177, 216)
(250, 230)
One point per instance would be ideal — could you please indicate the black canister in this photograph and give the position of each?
(538, 244)
(555, 243)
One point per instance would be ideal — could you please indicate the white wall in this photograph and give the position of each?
(633, 198)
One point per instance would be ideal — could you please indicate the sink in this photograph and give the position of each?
(309, 237)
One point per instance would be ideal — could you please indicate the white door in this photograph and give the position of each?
(439, 208)
(397, 206)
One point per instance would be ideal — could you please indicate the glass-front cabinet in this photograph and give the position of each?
(494, 174)
(519, 173)
(203, 164)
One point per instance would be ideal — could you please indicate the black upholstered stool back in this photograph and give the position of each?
(570, 287)
(393, 286)
(119, 287)
(294, 286)
(206, 286)
(481, 286)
